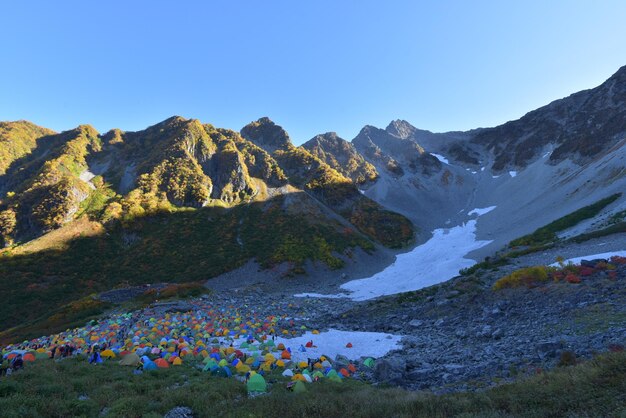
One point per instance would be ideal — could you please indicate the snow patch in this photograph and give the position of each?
(481, 211)
(547, 154)
(482, 169)
(440, 158)
(495, 177)
(436, 261)
(333, 342)
(577, 260)
(513, 173)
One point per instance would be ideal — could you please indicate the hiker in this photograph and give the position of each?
(4, 366)
(18, 363)
(139, 366)
(53, 352)
(95, 357)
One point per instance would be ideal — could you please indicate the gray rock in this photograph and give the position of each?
(416, 323)
(548, 349)
(420, 375)
(390, 370)
(179, 412)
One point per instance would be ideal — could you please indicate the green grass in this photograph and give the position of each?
(595, 388)
(598, 318)
(547, 234)
(615, 228)
(488, 263)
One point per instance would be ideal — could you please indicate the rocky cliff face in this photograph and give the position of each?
(578, 127)
(342, 156)
(42, 191)
(396, 154)
(175, 163)
(339, 193)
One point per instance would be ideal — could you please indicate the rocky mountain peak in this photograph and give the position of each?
(342, 156)
(266, 134)
(401, 128)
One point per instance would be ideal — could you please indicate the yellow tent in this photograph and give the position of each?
(108, 354)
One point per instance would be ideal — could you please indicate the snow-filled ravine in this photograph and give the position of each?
(437, 260)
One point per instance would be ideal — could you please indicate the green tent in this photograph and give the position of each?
(299, 387)
(210, 365)
(333, 376)
(257, 383)
(369, 362)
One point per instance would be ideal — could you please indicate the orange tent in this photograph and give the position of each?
(349, 345)
(286, 355)
(28, 357)
(344, 372)
(162, 363)
(351, 368)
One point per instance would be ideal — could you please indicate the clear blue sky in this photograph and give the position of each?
(311, 66)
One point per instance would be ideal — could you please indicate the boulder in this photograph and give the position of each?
(390, 370)
(180, 412)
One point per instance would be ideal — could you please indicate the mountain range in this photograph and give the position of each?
(83, 211)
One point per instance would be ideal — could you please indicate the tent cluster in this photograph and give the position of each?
(223, 341)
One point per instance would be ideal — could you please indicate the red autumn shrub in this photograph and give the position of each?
(612, 275)
(616, 348)
(601, 265)
(586, 271)
(557, 276)
(572, 278)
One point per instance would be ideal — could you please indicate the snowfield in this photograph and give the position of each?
(333, 342)
(436, 261)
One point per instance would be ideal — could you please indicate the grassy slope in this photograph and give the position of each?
(17, 140)
(545, 237)
(547, 234)
(183, 246)
(51, 389)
